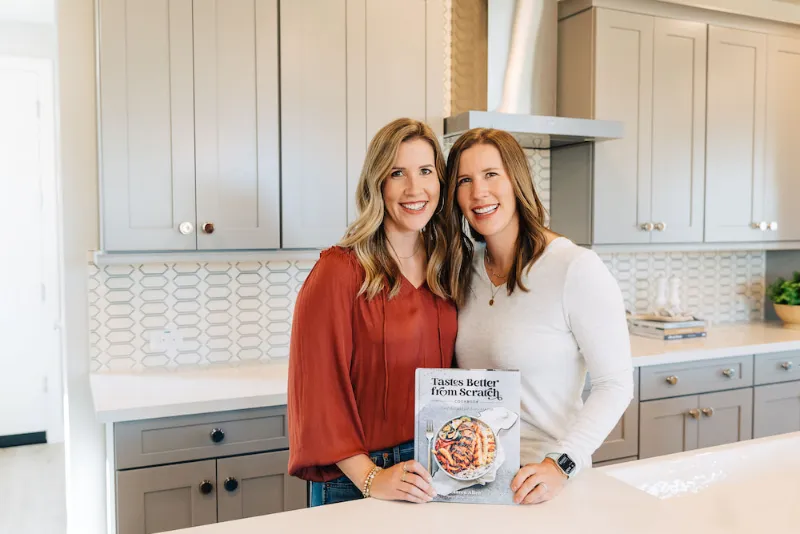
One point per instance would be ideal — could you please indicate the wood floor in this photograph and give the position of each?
(32, 490)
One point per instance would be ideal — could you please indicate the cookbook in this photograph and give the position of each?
(467, 433)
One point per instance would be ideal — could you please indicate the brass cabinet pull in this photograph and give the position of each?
(730, 373)
(786, 366)
(672, 380)
(695, 413)
(708, 412)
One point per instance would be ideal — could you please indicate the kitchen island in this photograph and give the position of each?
(741, 488)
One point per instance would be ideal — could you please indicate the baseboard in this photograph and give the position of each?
(17, 440)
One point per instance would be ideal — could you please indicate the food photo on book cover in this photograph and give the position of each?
(467, 432)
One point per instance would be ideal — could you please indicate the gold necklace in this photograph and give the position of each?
(494, 289)
(414, 253)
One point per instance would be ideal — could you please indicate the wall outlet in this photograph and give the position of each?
(164, 340)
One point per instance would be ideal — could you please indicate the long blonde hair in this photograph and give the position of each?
(531, 241)
(366, 236)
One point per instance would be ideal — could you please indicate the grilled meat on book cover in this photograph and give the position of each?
(467, 432)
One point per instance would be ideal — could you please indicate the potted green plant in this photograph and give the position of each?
(785, 296)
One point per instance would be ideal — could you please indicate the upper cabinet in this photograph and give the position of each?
(650, 74)
(147, 125)
(782, 171)
(243, 124)
(189, 124)
(737, 82)
(343, 77)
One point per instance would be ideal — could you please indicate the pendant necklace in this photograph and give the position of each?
(492, 287)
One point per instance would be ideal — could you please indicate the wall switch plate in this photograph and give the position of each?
(164, 340)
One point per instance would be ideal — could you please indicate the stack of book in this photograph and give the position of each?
(667, 330)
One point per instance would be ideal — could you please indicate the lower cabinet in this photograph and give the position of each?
(170, 497)
(685, 423)
(776, 409)
(158, 499)
(186, 471)
(257, 485)
(623, 440)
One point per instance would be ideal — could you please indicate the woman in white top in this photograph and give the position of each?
(532, 300)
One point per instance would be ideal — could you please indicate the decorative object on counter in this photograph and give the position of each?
(785, 296)
(669, 306)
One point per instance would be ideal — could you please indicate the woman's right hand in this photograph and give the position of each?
(406, 481)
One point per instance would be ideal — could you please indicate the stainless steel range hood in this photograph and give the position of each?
(503, 74)
(550, 132)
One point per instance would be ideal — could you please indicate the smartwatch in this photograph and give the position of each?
(564, 462)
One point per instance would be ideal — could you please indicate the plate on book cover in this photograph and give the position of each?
(465, 448)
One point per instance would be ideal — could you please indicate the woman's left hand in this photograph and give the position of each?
(536, 483)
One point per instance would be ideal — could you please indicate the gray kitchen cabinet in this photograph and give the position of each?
(686, 423)
(189, 470)
(623, 440)
(649, 73)
(237, 124)
(258, 484)
(735, 134)
(782, 186)
(727, 417)
(776, 409)
(623, 92)
(146, 106)
(679, 131)
(169, 497)
(342, 78)
(668, 426)
(189, 124)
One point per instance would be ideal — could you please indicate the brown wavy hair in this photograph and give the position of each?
(531, 241)
(367, 237)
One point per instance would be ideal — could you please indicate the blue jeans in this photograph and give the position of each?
(342, 489)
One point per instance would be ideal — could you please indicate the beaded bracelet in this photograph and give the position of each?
(366, 490)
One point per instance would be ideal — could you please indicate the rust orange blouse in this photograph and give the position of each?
(352, 363)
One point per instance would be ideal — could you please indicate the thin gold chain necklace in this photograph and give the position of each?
(494, 289)
(414, 253)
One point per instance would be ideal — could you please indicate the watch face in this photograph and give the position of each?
(566, 464)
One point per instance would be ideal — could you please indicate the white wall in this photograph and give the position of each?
(28, 44)
(85, 447)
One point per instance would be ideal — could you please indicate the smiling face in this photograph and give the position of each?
(484, 191)
(411, 191)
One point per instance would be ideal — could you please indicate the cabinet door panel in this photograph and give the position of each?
(679, 114)
(776, 409)
(263, 486)
(782, 175)
(624, 92)
(665, 426)
(731, 419)
(623, 440)
(386, 81)
(737, 74)
(159, 499)
(236, 92)
(146, 124)
(314, 118)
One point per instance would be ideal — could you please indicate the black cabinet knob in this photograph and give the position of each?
(206, 487)
(231, 484)
(217, 435)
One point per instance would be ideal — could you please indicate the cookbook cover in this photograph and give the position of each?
(467, 432)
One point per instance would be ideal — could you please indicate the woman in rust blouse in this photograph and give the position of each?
(373, 310)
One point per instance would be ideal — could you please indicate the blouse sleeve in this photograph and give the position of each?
(324, 425)
(596, 314)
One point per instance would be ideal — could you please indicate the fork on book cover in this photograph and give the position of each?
(429, 435)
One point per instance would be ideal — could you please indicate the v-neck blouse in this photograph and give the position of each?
(352, 363)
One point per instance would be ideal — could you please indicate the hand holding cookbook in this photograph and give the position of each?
(467, 432)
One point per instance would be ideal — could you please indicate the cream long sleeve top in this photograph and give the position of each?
(572, 320)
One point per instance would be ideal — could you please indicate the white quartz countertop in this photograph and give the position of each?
(121, 396)
(738, 339)
(742, 488)
(135, 395)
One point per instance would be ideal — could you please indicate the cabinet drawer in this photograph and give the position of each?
(184, 438)
(672, 380)
(777, 367)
